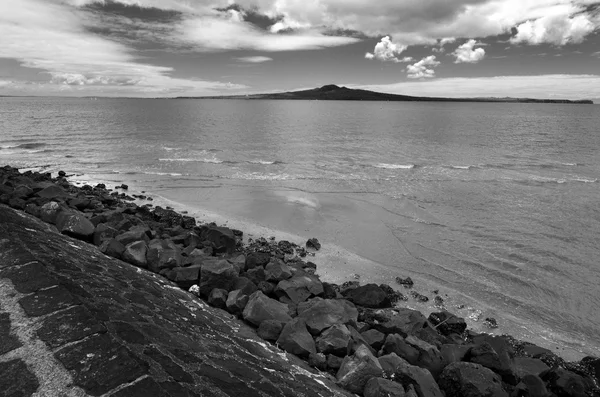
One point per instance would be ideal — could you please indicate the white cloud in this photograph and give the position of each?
(555, 29)
(254, 59)
(467, 54)
(386, 50)
(423, 68)
(541, 86)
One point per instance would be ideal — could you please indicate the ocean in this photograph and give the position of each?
(495, 206)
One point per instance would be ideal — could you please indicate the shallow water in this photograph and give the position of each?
(495, 204)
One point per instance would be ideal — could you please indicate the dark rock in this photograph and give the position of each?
(527, 365)
(221, 237)
(369, 295)
(33, 210)
(62, 174)
(218, 274)
(490, 322)
(266, 287)
(358, 340)
(135, 253)
(52, 192)
(74, 224)
(531, 386)
(429, 356)
(245, 285)
(405, 322)
(134, 234)
(454, 353)
(163, 254)
(496, 354)
(447, 323)
(296, 339)
(256, 275)
(374, 338)
(188, 222)
(419, 297)
(334, 340)
(112, 248)
(218, 298)
(358, 369)
(470, 380)
(334, 362)
(277, 271)
(393, 296)
(395, 343)
(379, 387)
(103, 232)
(237, 301)
(270, 329)
(49, 212)
(313, 243)
(299, 288)
(185, 277)
(407, 282)
(318, 361)
(565, 383)
(327, 312)
(330, 291)
(410, 375)
(255, 259)
(260, 308)
(67, 326)
(16, 379)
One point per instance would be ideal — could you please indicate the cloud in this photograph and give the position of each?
(423, 68)
(596, 54)
(48, 35)
(555, 29)
(540, 86)
(386, 50)
(254, 59)
(466, 54)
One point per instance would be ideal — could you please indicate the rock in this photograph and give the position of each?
(218, 298)
(53, 191)
(103, 232)
(238, 261)
(334, 340)
(358, 340)
(256, 275)
(404, 373)
(317, 360)
(593, 364)
(33, 210)
(370, 295)
(236, 301)
(407, 282)
(379, 387)
(429, 356)
(266, 287)
(495, 358)
(270, 329)
(327, 312)
(185, 277)
(49, 212)
(217, 274)
(565, 383)
(138, 233)
(490, 322)
(334, 362)
(112, 248)
(255, 259)
(296, 339)
(395, 343)
(393, 296)
(405, 322)
(62, 174)
(222, 238)
(313, 243)
(447, 323)
(135, 253)
(299, 288)
(74, 224)
(245, 285)
(277, 271)
(529, 366)
(330, 291)
(470, 380)
(374, 338)
(454, 353)
(260, 308)
(358, 369)
(531, 386)
(163, 254)
(188, 222)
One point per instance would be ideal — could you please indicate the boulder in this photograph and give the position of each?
(217, 274)
(429, 356)
(374, 338)
(454, 353)
(256, 275)
(52, 191)
(334, 340)
(370, 295)
(379, 387)
(270, 329)
(470, 380)
(277, 271)
(138, 233)
(531, 386)
(244, 284)
(410, 375)
(447, 323)
(49, 212)
(317, 360)
(327, 312)
(299, 288)
(218, 298)
(266, 287)
(334, 362)
(112, 248)
(185, 277)
(255, 259)
(566, 383)
(163, 254)
(33, 210)
(358, 369)
(296, 339)
(405, 322)
(103, 232)
(135, 253)
(238, 261)
(260, 308)
(222, 238)
(236, 301)
(74, 224)
(313, 243)
(358, 340)
(529, 366)
(485, 355)
(395, 343)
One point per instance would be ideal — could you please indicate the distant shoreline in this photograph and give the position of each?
(335, 93)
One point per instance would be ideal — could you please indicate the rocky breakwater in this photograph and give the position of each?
(361, 338)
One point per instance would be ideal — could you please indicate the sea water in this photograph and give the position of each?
(495, 206)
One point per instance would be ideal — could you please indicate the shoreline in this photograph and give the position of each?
(222, 244)
(338, 264)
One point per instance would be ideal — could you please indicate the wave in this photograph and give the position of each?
(205, 160)
(24, 146)
(395, 166)
(460, 167)
(559, 181)
(257, 176)
(162, 173)
(265, 162)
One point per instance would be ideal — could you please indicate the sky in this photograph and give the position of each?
(170, 48)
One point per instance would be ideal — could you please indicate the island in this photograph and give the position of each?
(332, 92)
